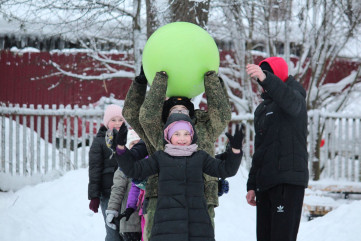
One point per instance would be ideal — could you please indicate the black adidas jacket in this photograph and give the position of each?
(280, 123)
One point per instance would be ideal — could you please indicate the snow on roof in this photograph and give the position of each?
(108, 27)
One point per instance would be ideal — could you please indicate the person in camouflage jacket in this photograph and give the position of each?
(209, 125)
(133, 101)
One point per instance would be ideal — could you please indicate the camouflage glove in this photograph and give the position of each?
(237, 139)
(141, 79)
(223, 187)
(221, 80)
(162, 73)
(126, 214)
(210, 73)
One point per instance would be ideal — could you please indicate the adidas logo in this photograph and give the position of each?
(280, 209)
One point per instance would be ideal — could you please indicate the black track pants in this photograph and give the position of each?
(279, 212)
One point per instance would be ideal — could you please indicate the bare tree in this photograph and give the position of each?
(158, 14)
(191, 11)
(319, 29)
(162, 12)
(93, 22)
(251, 26)
(327, 28)
(89, 22)
(238, 17)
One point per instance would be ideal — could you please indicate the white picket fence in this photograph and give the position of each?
(42, 139)
(341, 150)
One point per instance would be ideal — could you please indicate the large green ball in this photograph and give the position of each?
(186, 52)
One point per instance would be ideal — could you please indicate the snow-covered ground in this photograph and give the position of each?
(58, 210)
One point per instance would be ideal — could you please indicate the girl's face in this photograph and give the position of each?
(115, 122)
(181, 138)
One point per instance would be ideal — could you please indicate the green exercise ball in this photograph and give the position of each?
(186, 52)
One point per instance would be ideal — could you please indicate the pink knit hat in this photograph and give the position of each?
(110, 112)
(176, 126)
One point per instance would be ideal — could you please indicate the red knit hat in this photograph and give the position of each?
(110, 112)
(279, 67)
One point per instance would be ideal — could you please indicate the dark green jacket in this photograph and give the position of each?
(208, 124)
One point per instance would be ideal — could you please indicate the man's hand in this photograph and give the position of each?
(254, 71)
(251, 197)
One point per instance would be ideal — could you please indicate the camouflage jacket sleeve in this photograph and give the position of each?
(151, 111)
(150, 118)
(133, 101)
(219, 109)
(151, 188)
(211, 190)
(219, 113)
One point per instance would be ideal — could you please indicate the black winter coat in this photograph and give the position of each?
(102, 167)
(181, 212)
(280, 123)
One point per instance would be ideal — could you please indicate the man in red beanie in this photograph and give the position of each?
(279, 172)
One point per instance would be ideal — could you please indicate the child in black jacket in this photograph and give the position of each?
(102, 165)
(181, 212)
